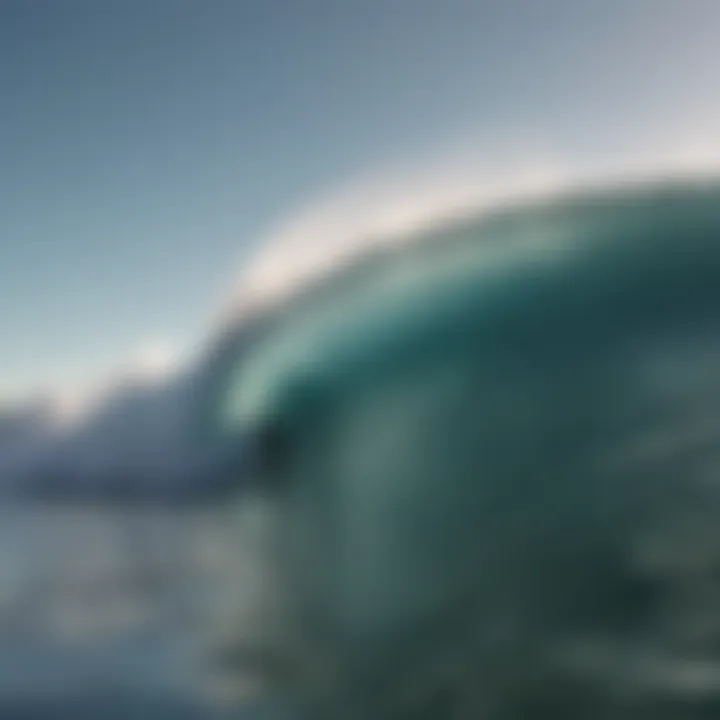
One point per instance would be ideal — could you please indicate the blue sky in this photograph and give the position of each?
(146, 145)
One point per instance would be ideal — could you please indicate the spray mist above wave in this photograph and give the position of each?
(394, 207)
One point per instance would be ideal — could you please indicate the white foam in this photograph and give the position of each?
(392, 206)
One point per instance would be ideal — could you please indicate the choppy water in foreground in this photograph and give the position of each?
(108, 614)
